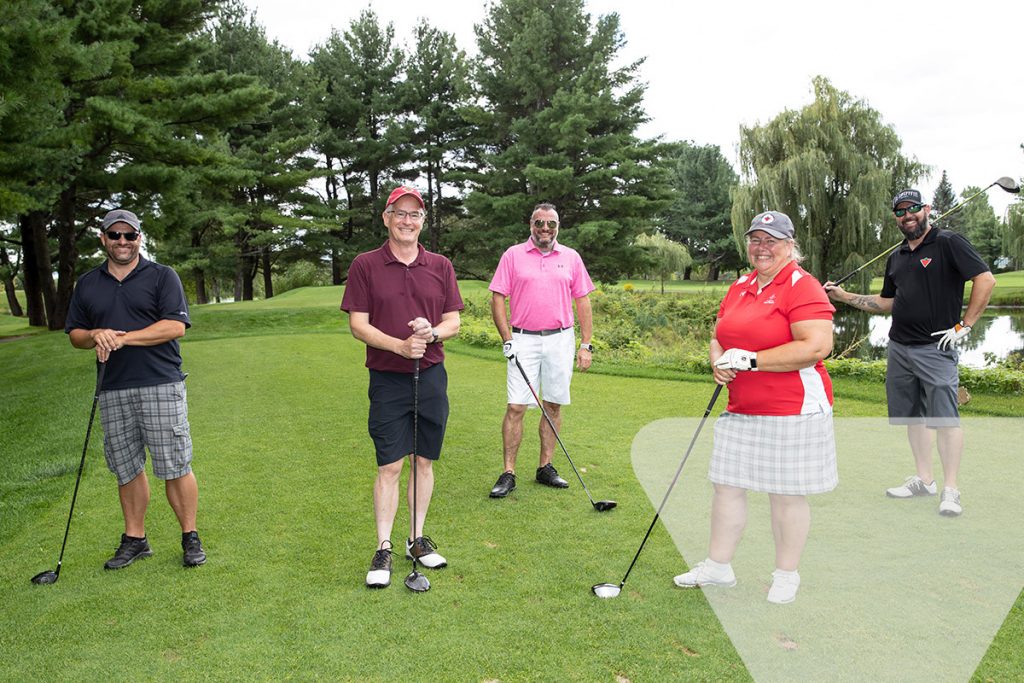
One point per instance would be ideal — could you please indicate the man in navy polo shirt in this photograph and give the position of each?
(403, 302)
(924, 290)
(132, 312)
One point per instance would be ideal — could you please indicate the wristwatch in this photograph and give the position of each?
(588, 347)
(433, 332)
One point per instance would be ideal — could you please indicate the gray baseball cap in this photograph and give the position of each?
(912, 196)
(121, 216)
(775, 223)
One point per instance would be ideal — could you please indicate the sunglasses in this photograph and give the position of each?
(553, 225)
(900, 213)
(114, 235)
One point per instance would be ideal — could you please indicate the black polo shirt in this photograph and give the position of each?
(927, 285)
(148, 294)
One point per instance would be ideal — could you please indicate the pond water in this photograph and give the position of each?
(1000, 332)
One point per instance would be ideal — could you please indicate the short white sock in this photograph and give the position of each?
(718, 568)
(786, 572)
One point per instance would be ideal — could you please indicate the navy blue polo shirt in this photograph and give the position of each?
(927, 285)
(148, 294)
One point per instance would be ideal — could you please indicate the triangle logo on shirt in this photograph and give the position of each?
(925, 262)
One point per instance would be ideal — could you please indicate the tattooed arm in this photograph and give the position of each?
(865, 302)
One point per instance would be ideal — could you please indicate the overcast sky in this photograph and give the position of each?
(946, 75)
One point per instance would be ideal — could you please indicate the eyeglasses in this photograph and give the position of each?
(539, 224)
(114, 235)
(768, 242)
(900, 213)
(411, 215)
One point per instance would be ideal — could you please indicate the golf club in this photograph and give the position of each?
(1007, 183)
(415, 581)
(610, 590)
(48, 576)
(601, 505)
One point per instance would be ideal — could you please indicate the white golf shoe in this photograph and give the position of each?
(784, 586)
(423, 548)
(703, 575)
(913, 487)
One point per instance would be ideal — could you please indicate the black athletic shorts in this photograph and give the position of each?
(391, 413)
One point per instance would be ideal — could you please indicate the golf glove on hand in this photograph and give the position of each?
(737, 359)
(509, 349)
(951, 336)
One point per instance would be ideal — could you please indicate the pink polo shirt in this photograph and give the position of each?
(541, 287)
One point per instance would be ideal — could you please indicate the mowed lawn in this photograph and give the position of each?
(277, 398)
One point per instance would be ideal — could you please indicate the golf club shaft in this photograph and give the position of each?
(415, 448)
(711, 405)
(890, 249)
(554, 431)
(81, 465)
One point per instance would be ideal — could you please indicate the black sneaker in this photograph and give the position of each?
(548, 476)
(379, 575)
(131, 549)
(192, 548)
(506, 485)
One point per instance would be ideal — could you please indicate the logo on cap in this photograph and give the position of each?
(767, 218)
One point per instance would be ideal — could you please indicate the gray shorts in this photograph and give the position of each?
(921, 385)
(156, 417)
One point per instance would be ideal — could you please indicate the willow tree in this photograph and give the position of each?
(666, 257)
(833, 167)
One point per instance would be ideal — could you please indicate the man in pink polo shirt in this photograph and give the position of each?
(542, 278)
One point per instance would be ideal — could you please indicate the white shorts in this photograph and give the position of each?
(548, 362)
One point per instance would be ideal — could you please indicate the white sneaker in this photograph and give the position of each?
(702, 575)
(379, 575)
(914, 486)
(423, 549)
(784, 587)
(949, 506)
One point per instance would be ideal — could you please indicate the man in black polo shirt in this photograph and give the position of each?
(924, 291)
(132, 312)
(403, 302)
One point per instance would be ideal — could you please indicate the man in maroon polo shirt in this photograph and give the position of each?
(403, 302)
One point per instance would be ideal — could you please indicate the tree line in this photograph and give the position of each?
(244, 162)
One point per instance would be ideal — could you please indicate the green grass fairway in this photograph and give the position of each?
(278, 407)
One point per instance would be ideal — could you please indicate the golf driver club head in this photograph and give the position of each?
(1008, 184)
(416, 582)
(45, 578)
(604, 505)
(606, 590)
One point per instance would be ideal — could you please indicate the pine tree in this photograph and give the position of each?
(942, 202)
(558, 124)
(979, 225)
(700, 218)
(833, 168)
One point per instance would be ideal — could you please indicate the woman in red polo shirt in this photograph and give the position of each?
(774, 329)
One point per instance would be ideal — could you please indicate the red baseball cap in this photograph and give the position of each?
(400, 192)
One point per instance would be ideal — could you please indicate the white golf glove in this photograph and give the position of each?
(509, 349)
(737, 359)
(951, 336)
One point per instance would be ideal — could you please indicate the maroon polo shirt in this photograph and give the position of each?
(394, 293)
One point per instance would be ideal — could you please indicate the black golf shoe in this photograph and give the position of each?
(506, 485)
(192, 550)
(131, 549)
(548, 476)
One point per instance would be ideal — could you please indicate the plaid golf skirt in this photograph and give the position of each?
(792, 455)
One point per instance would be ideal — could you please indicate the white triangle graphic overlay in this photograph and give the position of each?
(890, 590)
